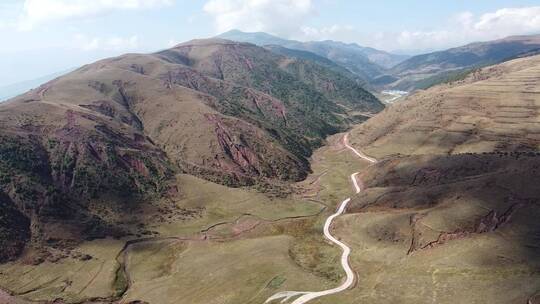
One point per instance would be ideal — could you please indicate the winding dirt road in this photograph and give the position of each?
(306, 296)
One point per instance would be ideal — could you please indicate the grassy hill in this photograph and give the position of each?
(452, 203)
(113, 133)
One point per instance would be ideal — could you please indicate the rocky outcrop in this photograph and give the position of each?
(487, 223)
(248, 157)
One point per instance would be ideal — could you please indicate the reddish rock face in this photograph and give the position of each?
(247, 154)
(242, 155)
(266, 103)
(534, 300)
(138, 166)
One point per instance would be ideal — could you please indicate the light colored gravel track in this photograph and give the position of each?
(306, 296)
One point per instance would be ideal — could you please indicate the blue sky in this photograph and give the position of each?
(46, 36)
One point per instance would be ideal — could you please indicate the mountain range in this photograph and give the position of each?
(373, 69)
(365, 62)
(424, 70)
(380, 70)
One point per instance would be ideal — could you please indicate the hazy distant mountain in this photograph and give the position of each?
(382, 58)
(15, 89)
(302, 54)
(323, 61)
(427, 69)
(366, 62)
(258, 38)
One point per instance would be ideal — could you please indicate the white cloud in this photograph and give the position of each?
(172, 42)
(509, 20)
(467, 28)
(334, 32)
(461, 29)
(288, 18)
(40, 11)
(113, 43)
(280, 17)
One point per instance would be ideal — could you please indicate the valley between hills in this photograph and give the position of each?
(205, 173)
(211, 254)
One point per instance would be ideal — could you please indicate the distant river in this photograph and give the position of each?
(393, 95)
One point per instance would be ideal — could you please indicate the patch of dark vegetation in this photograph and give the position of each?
(14, 230)
(49, 183)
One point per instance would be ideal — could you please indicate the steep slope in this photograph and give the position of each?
(111, 134)
(333, 84)
(310, 107)
(455, 191)
(424, 70)
(57, 158)
(367, 63)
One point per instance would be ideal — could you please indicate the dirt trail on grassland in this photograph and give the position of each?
(306, 296)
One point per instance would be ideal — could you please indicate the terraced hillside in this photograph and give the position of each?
(450, 211)
(492, 109)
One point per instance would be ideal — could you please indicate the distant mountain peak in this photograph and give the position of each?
(209, 41)
(366, 63)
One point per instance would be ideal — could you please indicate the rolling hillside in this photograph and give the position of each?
(455, 191)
